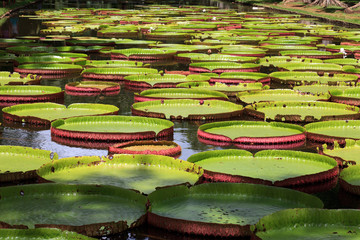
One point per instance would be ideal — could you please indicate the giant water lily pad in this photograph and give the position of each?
(140, 172)
(187, 109)
(89, 209)
(8, 78)
(311, 54)
(44, 113)
(241, 77)
(319, 88)
(49, 70)
(271, 167)
(221, 209)
(113, 64)
(142, 53)
(298, 111)
(350, 179)
(202, 57)
(41, 234)
(10, 95)
(103, 131)
(276, 60)
(347, 96)
(333, 131)
(146, 81)
(114, 74)
(296, 78)
(220, 67)
(350, 154)
(92, 88)
(230, 91)
(19, 163)
(179, 93)
(308, 224)
(278, 95)
(252, 135)
(46, 59)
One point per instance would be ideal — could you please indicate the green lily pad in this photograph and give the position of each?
(140, 172)
(179, 93)
(187, 109)
(222, 87)
(337, 130)
(349, 154)
(319, 88)
(142, 52)
(47, 112)
(119, 71)
(297, 111)
(344, 61)
(278, 95)
(313, 67)
(8, 78)
(40, 234)
(30, 49)
(213, 66)
(49, 59)
(113, 64)
(92, 210)
(297, 78)
(276, 60)
(19, 163)
(197, 57)
(28, 90)
(276, 167)
(214, 209)
(308, 224)
(347, 96)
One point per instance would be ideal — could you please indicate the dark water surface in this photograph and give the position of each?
(184, 132)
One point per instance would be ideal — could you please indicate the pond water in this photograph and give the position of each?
(185, 132)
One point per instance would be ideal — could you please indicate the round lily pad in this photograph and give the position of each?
(103, 131)
(142, 53)
(221, 209)
(45, 113)
(146, 81)
(319, 88)
(278, 95)
(11, 95)
(8, 78)
(348, 154)
(276, 60)
(179, 93)
(87, 209)
(311, 54)
(308, 224)
(252, 135)
(349, 96)
(19, 163)
(203, 57)
(47, 59)
(220, 67)
(92, 88)
(234, 78)
(187, 109)
(229, 90)
(142, 172)
(41, 234)
(292, 78)
(166, 148)
(350, 179)
(113, 64)
(49, 71)
(298, 111)
(114, 74)
(282, 168)
(333, 131)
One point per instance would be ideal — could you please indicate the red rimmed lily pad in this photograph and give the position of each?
(166, 148)
(252, 135)
(330, 132)
(48, 71)
(308, 224)
(87, 209)
(45, 113)
(293, 78)
(276, 60)
(312, 54)
(298, 111)
(142, 54)
(179, 93)
(187, 109)
(20, 163)
(281, 168)
(221, 209)
(319, 88)
(104, 131)
(349, 96)
(8, 78)
(202, 57)
(349, 179)
(41, 234)
(234, 78)
(271, 95)
(114, 74)
(11, 95)
(142, 172)
(345, 155)
(142, 82)
(314, 67)
(220, 67)
(92, 88)
(113, 64)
